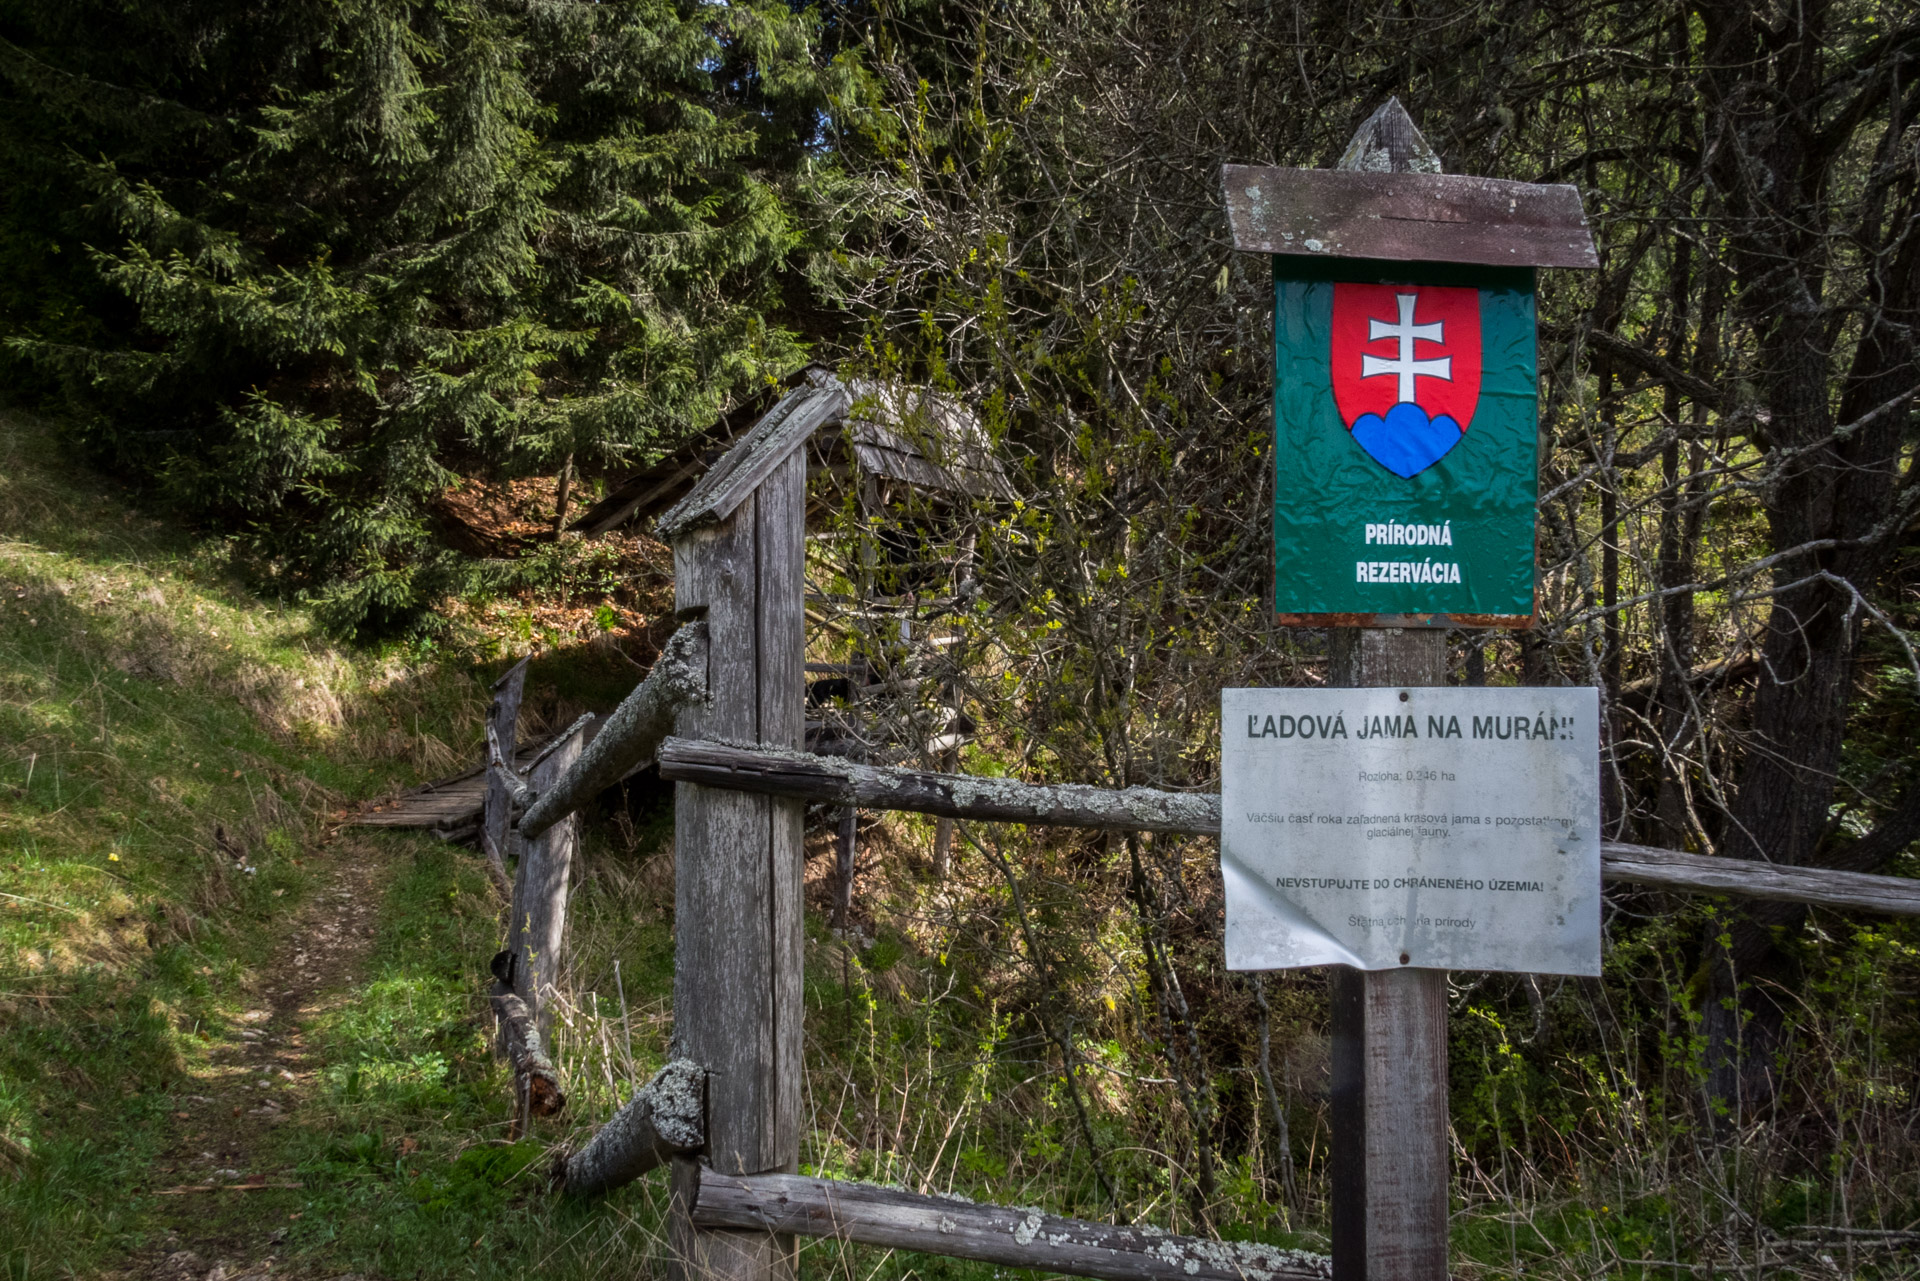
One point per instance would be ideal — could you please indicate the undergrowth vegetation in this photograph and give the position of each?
(176, 753)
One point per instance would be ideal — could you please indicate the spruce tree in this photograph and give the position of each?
(301, 264)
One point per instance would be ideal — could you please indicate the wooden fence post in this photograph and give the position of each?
(738, 863)
(504, 718)
(1390, 1155)
(537, 928)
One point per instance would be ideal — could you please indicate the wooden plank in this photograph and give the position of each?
(1418, 217)
(635, 496)
(835, 781)
(537, 926)
(504, 717)
(732, 480)
(1389, 1157)
(729, 984)
(1006, 1236)
(781, 551)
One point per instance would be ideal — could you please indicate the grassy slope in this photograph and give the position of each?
(170, 751)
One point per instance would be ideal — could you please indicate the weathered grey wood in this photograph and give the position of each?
(1417, 217)
(840, 781)
(845, 840)
(1007, 1236)
(1389, 1157)
(782, 654)
(1705, 874)
(537, 1085)
(1388, 199)
(503, 717)
(1389, 142)
(665, 1117)
(752, 458)
(604, 516)
(738, 859)
(837, 781)
(629, 737)
(537, 927)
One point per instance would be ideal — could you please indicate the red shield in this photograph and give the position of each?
(1405, 366)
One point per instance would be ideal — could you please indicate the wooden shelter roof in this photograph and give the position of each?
(909, 434)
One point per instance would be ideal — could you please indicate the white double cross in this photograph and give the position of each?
(1404, 366)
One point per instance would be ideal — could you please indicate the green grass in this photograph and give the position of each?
(169, 749)
(403, 1152)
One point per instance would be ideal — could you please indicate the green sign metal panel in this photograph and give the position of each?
(1405, 437)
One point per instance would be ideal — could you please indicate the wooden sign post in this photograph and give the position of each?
(1389, 358)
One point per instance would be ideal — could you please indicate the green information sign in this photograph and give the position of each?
(1405, 436)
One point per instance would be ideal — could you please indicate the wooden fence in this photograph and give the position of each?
(726, 1115)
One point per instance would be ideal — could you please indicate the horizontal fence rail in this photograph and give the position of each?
(1011, 1237)
(630, 735)
(1144, 809)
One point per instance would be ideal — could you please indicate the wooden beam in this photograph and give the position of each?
(1406, 217)
(1705, 874)
(536, 1082)
(838, 781)
(751, 459)
(1002, 1235)
(738, 861)
(537, 925)
(504, 719)
(628, 738)
(664, 1118)
(835, 781)
(1389, 1163)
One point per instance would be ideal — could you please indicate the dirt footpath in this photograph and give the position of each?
(225, 1196)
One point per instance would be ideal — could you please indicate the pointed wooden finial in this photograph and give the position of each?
(1389, 142)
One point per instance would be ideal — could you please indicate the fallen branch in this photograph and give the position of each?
(632, 734)
(1007, 1236)
(667, 1117)
(1143, 809)
(224, 1187)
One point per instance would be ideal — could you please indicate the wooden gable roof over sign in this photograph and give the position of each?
(908, 434)
(1407, 217)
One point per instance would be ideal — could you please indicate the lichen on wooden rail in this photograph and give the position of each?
(536, 1081)
(666, 1116)
(631, 734)
(1010, 1236)
(1144, 809)
(821, 778)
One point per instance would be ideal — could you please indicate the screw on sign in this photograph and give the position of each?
(1405, 439)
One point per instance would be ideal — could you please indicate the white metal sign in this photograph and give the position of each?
(1447, 828)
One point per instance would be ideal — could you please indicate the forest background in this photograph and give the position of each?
(303, 274)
